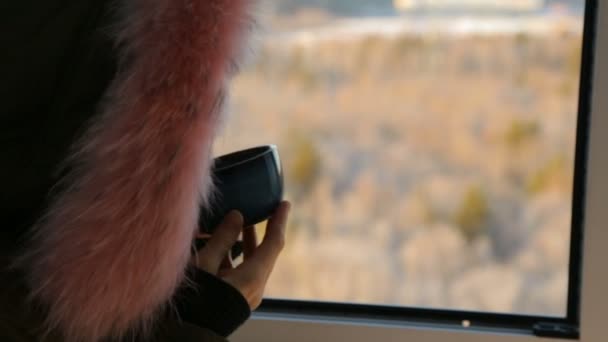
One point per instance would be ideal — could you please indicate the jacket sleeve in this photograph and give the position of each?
(186, 332)
(211, 303)
(208, 310)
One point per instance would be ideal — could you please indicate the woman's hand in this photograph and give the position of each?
(251, 276)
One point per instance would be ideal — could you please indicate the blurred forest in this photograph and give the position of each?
(426, 169)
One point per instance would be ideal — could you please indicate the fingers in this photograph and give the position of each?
(250, 241)
(226, 234)
(203, 235)
(251, 276)
(274, 239)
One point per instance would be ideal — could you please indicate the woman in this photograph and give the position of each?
(126, 97)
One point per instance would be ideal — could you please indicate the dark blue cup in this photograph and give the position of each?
(250, 181)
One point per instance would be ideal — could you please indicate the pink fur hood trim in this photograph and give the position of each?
(112, 249)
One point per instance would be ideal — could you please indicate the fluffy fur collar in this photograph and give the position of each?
(112, 249)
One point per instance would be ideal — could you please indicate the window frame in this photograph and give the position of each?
(280, 320)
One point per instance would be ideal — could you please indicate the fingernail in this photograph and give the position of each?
(235, 216)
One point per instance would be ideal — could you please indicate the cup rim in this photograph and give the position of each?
(265, 149)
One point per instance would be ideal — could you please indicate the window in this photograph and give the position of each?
(434, 151)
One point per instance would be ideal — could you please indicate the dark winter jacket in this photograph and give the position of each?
(108, 110)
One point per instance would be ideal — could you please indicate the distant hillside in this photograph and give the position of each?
(339, 7)
(377, 7)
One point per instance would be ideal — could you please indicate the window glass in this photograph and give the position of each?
(428, 148)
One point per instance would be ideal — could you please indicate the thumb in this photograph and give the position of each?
(225, 235)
